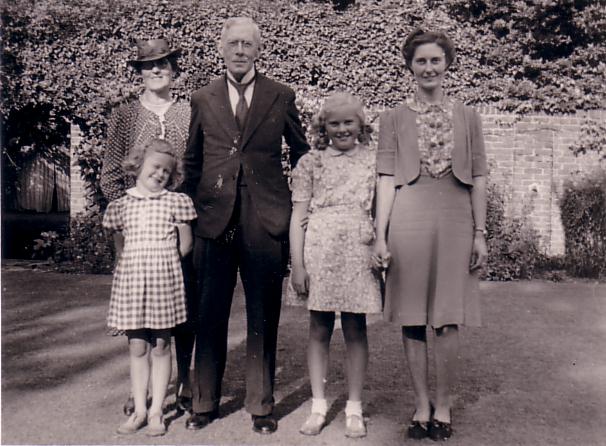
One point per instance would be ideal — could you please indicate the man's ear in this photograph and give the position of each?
(220, 48)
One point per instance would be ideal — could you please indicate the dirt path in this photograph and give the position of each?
(535, 374)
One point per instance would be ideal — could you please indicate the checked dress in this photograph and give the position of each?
(147, 289)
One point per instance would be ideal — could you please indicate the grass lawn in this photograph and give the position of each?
(534, 374)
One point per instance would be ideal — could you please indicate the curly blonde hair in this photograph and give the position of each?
(335, 101)
(134, 161)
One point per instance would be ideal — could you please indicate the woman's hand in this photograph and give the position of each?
(380, 255)
(300, 280)
(479, 253)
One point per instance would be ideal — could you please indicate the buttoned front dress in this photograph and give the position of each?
(147, 288)
(338, 240)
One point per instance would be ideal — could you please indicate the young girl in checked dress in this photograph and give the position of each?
(331, 257)
(152, 232)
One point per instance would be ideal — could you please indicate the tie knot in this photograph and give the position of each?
(241, 88)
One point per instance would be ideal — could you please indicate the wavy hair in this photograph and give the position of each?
(134, 161)
(420, 37)
(335, 101)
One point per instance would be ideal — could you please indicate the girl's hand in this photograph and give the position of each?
(479, 253)
(380, 255)
(300, 280)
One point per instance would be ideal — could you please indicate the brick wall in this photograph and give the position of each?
(77, 201)
(529, 159)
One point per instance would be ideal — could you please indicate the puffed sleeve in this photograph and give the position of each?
(112, 219)
(302, 178)
(184, 210)
(386, 147)
(478, 152)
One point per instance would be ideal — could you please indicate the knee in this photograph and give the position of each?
(321, 327)
(354, 327)
(138, 348)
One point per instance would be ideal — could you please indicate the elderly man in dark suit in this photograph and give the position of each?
(234, 173)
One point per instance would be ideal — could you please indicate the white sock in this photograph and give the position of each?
(319, 405)
(353, 408)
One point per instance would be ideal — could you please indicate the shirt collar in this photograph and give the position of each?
(330, 150)
(134, 192)
(247, 77)
(416, 104)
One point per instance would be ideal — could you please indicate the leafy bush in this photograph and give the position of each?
(86, 249)
(513, 246)
(583, 213)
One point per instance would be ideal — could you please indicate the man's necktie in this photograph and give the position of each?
(241, 106)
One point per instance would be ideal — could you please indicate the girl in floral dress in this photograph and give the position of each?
(331, 256)
(152, 233)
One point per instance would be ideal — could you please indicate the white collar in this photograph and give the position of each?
(134, 192)
(247, 77)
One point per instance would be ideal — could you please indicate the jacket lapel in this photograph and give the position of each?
(221, 107)
(262, 100)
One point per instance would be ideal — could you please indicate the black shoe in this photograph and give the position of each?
(265, 424)
(439, 430)
(129, 406)
(184, 404)
(200, 420)
(417, 430)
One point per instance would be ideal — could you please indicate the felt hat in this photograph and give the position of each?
(154, 49)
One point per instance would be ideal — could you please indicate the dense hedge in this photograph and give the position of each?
(583, 213)
(66, 62)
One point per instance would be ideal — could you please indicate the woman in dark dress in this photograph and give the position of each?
(431, 222)
(154, 114)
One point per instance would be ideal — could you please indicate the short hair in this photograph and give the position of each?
(320, 139)
(134, 161)
(232, 21)
(419, 37)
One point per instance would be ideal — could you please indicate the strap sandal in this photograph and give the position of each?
(354, 426)
(155, 425)
(439, 430)
(133, 424)
(314, 424)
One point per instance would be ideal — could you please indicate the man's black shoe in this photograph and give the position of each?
(265, 424)
(200, 420)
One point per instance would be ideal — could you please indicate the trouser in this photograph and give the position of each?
(184, 333)
(261, 259)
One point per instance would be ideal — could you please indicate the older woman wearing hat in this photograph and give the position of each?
(154, 114)
(431, 222)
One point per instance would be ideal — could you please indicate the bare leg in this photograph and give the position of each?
(139, 372)
(161, 369)
(321, 325)
(354, 332)
(446, 353)
(415, 346)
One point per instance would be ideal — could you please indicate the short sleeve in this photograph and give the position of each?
(184, 210)
(386, 148)
(113, 218)
(478, 151)
(302, 178)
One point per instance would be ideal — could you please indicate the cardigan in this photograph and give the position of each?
(398, 147)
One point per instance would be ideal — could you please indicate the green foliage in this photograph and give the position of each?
(513, 246)
(86, 249)
(583, 213)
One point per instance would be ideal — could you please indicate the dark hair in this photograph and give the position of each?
(172, 59)
(419, 37)
(132, 164)
(318, 134)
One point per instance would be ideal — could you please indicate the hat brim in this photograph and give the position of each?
(174, 53)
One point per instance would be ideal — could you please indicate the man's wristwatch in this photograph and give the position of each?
(482, 230)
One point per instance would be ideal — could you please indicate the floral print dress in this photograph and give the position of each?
(338, 240)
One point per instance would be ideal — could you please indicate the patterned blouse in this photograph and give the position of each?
(434, 124)
(133, 124)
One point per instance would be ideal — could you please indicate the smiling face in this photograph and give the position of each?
(155, 171)
(240, 48)
(157, 75)
(428, 66)
(343, 127)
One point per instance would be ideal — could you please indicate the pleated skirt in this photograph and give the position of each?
(430, 239)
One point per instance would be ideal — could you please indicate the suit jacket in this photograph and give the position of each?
(398, 150)
(215, 151)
